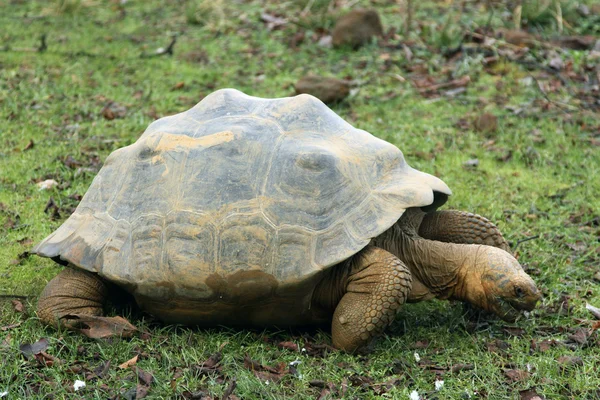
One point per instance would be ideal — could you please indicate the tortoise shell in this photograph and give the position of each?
(237, 184)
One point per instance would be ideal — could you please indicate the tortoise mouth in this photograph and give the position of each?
(509, 310)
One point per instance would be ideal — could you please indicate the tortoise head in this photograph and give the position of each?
(506, 288)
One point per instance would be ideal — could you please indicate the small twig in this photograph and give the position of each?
(527, 239)
(162, 52)
(14, 296)
(451, 84)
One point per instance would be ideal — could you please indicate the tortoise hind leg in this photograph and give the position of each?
(72, 291)
(453, 226)
(75, 300)
(377, 285)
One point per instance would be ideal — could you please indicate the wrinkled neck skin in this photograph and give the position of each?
(439, 270)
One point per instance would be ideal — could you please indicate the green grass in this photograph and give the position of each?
(548, 187)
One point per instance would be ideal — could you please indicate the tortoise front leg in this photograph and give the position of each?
(75, 300)
(377, 284)
(453, 226)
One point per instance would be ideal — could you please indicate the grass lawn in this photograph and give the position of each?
(535, 170)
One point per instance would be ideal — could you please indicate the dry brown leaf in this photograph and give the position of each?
(516, 375)
(569, 361)
(288, 345)
(17, 306)
(100, 327)
(30, 350)
(530, 394)
(129, 363)
(29, 145)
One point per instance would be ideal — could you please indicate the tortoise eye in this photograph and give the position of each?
(519, 292)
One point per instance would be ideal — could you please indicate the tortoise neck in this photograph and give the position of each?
(438, 269)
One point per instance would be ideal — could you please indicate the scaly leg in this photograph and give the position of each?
(452, 226)
(75, 300)
(377, 284)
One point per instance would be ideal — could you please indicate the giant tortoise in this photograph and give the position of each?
(245, 211)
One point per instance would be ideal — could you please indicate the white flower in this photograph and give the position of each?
(528, 367)
(414, 395)
(439, 385)
(78, 385)
(295, 362)
(417, 357)
(47, 184)
(3, 394)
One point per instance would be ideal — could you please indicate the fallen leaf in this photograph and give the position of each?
(129, 363)
(288, 346)
(361, 381)
(71, 162)
(46, 360)
(530, 394)
(141, 391)
(497, 346)
(580, 336)
(516, 375)
(30, 350)
(594, 310)
(265, 373)
(179, 85)
(100, 327)
(145, 377)
(317, 349)
(381, 388)
(17, 306)
(514, 331)
(113, 110)
(29, 145)
(578, 246)
(543, 346)
(211, 364)
(569, 361)
(273, 22)
(228, 392)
